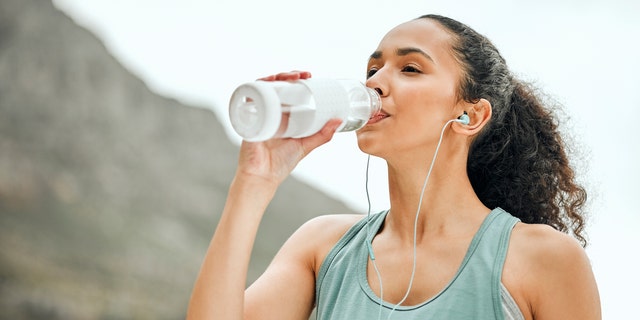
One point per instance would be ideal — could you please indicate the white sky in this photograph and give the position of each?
(583, 53)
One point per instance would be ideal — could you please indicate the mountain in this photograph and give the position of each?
(109, 192)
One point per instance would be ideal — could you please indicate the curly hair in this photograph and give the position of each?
(518, 162)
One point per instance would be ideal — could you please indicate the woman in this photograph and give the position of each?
(446, 249)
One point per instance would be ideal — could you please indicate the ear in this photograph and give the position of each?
(479, 115)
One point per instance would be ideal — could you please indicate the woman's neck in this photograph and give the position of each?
(449, 204)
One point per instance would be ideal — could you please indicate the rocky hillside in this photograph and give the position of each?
(109, 193)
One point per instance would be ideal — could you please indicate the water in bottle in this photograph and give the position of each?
(262, 110)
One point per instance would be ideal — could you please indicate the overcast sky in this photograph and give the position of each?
(583, 53)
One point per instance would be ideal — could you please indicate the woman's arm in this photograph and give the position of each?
(569, 289)
(287, 288)
(219, 291)
(554, 274)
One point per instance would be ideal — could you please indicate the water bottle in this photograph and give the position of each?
(262, 110)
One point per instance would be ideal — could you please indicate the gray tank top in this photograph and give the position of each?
(475, 292)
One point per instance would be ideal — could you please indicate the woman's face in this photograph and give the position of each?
(416, 74)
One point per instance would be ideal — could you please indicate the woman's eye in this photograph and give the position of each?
(410, 69)
(371, 72)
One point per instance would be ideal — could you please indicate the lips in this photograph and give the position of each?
(378, 117)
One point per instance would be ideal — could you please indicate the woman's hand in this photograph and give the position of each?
(274, 159)
(288, 76)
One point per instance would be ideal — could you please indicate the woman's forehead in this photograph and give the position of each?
(423, 30)
(425, 34)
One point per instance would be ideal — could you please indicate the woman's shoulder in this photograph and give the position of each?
(545, 252)
(323, 232)
(329, 227)
(540, 241)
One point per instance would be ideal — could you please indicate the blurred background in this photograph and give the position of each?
(116, 151)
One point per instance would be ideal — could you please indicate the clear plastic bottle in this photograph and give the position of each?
(262, 110)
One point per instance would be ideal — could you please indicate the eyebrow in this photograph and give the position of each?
(402, 52)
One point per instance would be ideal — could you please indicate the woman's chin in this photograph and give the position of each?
(366, 141)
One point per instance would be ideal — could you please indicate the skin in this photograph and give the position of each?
(547, 272)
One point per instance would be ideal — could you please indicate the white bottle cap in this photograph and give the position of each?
(254, 111)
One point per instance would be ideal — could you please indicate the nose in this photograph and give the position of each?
(377, 83)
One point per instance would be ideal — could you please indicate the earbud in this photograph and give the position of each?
(464, 119)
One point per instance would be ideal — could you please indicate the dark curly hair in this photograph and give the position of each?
(518, 162)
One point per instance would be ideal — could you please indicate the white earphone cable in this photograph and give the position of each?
(370, 244)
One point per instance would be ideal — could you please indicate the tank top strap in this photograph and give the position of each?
(486, 256)
(355, 238)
